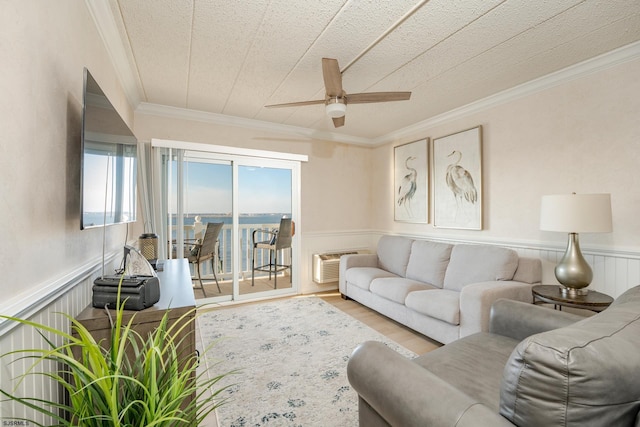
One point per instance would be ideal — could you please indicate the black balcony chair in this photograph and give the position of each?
(197, 252)
(277, 240)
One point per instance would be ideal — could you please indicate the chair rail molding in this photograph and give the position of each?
(614, 269)
(39, 298)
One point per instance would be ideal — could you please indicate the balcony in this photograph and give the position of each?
(224, 262)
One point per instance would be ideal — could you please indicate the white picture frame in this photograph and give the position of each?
(457, 180)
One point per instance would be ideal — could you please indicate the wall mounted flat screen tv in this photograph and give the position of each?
(109, 161)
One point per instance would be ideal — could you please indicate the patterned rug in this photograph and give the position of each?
(293, 356)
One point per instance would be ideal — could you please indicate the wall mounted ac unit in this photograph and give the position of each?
(326, 267)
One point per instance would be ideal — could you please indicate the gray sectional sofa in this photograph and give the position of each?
(441, 290)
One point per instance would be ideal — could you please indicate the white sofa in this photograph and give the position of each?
(441, 290)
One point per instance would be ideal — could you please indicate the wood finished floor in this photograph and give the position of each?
(261, 284)
(406, 337)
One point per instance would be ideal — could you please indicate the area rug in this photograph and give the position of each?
(293, 357)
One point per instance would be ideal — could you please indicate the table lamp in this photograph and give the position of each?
(573, 214)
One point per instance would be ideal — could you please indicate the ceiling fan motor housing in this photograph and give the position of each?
(336, 107)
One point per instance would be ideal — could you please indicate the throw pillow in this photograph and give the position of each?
(479, 263)
(428, 262)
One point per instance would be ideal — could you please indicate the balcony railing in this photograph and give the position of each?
(223, 260)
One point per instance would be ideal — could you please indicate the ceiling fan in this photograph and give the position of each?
(336, 99)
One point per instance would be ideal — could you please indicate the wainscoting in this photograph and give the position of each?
(69, 295)
(613, 272)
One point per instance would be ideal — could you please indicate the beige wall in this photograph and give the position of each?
(45, 45)
(336, 194)
(582, 136)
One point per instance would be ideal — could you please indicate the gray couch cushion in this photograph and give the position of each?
(393, 254)
(362, 276)
(441, 304)
(396, 289)
(529, 270)
(428, 262)
(583, 374)
(474, 365)
(479, 263)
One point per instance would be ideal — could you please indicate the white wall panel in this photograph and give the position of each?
(16, 337)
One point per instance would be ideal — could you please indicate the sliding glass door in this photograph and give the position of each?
(264, 198)
(249, 196)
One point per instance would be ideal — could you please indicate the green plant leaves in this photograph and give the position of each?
(136, 382)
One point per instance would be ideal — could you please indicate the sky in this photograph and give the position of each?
(96, 170)
(261, 190)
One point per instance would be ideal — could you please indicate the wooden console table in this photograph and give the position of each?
(176, 297)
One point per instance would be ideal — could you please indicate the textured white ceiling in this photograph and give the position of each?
(235, 57)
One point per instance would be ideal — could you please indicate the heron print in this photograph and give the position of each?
(408, 186)
(410, 189)
(460, 181)
(457, 180)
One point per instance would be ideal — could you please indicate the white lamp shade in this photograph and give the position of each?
(336, 109)
(576, 213)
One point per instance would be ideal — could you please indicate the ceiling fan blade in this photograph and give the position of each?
(363, 98)
(338, 121)
(296, 104)
(332, 77)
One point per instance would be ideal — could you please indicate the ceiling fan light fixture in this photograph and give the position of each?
(335, 99)
(336, 108)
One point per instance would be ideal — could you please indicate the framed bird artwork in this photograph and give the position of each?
(411, 182)
(457, 180)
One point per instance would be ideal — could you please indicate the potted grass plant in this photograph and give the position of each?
(135, 381)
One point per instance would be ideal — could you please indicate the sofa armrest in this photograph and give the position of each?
(405, 394)
(354, 260)
(519, 320)
(476, 300)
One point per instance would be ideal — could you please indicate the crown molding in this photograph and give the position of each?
(590, 66)
(150, 109)
(120, 57)
(599, 63)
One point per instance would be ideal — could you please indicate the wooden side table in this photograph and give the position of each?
(551, 294)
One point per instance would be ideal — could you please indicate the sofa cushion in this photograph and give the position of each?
(363, 276)
(582, 374)
(396, 289)
(479, 263)
(428, 262)
(441, 304)
(393, 254)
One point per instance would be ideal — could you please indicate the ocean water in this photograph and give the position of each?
(273, 218)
